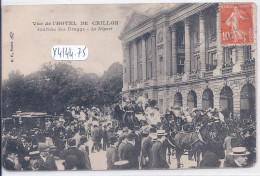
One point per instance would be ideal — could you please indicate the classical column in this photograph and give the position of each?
(187, 46)
(135, 60)
(240, 54)
(220, 55)
(236, 104)
(167, 50)
(202, 42)
(127, 63)
(154, 62)
(174, 50)
(144, 57)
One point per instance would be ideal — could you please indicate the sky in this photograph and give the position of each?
(32, 48)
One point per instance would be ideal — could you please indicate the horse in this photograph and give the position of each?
(195, 141)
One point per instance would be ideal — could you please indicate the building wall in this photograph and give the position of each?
(158, 40)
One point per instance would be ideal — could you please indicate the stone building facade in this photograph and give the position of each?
(175, 56)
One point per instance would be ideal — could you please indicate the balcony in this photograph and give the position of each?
(193, 76)
(178, 78)
(248, 67)
(208, 74)
(227, 70)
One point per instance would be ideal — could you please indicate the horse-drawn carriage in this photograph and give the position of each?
(28, 120)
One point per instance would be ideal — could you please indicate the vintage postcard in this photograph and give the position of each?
(128, 86)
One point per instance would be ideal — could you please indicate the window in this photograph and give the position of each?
(131, 60)
(161, 66)
(149, 57)
(180, 63)
(248, 52)
(211, 62)
(149, 69)
(196, 64)
(139, 60)
(230, 56)
(140, 74)
(212, 26)
(181, 38)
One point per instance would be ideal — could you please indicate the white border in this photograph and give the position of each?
(239, 171)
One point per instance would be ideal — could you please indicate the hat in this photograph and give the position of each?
(113, 139)
(11, 148)
(42, 147)
(125, 129)
(161, 133)
(194, 109)
(72, 142)
(121, 163)
(83, 139)
(239, 151)
(152, 130)
(130, 137)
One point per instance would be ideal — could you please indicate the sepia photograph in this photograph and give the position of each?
(128, 86)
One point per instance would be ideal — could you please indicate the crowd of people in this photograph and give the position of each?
(135, 136)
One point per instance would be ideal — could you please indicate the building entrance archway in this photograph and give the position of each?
(178, 99)
(226, 102)
(192, 100)
(247, 102)
(207, 99)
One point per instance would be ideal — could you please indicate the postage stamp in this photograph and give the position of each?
(236, 23)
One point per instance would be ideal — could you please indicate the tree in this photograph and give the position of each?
(112, 84)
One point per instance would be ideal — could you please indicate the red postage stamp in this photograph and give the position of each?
(236, 21)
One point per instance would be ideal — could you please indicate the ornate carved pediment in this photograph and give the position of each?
(134, 19)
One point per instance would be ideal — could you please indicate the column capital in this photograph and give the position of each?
(186, 21)
(153, 33)
(125, 45)
(143, 37)
(201, 15)
(216, 7)
(173, 28)
(135, 41)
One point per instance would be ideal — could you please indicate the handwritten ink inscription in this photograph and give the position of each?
(69, 52)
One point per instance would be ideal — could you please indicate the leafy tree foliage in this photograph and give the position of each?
(58, 85)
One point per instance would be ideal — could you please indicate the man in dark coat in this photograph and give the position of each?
(105, 139)
(159, 152)
(23, 153)
(100, 131)
(146, 147)
(112, 154)
(95, 137)
(123, 135)
(10, 156)
(250, 144)
(45, 161)
(121, 146)
(129, 152)
(118, 114)
(210, 160)
(73, 150)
